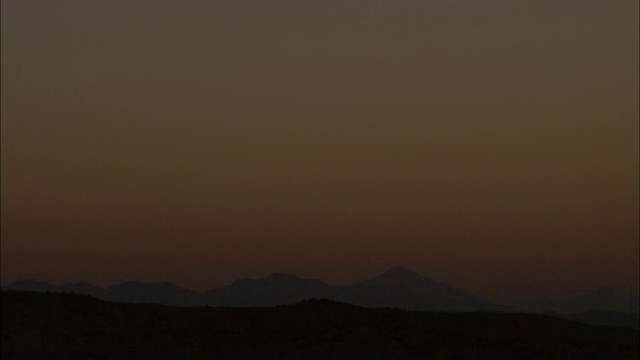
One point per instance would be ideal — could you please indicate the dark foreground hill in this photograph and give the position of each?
(48, 325)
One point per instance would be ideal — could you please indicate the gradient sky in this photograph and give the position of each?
(491, 145)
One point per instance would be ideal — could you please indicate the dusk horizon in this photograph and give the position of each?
(489, 145)
(480, 295)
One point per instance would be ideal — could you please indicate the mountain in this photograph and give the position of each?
(611, 299)
(272, 290)
(160, 293)
(604, 298)
(31, 285)
(68, 288)
(397, 287)
(128, 292)
(80, 289)
(401, 288)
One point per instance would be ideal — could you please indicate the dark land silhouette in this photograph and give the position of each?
(397, 287)
(398, 313)
(55, 325)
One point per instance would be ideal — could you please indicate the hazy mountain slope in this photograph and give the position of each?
(128, 292)
(402, 288)
(159, 293)
(609, 298)
(30, 285)
(605, 298)
(397, 287)
(275, 289)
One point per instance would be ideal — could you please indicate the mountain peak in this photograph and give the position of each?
(399, 275)
(403, 277)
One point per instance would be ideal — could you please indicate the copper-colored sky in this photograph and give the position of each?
(492, 145)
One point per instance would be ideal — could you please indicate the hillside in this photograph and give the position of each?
(39, 325)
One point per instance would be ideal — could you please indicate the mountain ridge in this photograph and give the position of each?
(397, 287)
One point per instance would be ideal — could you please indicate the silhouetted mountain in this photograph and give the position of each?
(275, 289)
(69, 288)
(128, 292)
(538, 305)
(31, 285)
(605, 298)
(404, 289)
(397, 288)
(159, 293)
(63, 326)
(610, 299)
(81, 289)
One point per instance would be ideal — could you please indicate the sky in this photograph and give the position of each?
(491, 145)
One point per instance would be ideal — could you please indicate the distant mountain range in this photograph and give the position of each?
(604, 299)
(395, 288)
